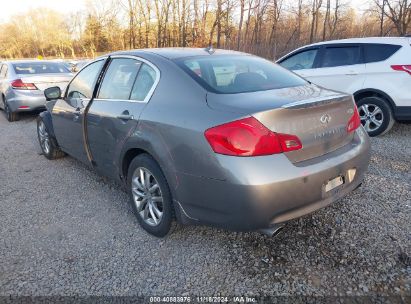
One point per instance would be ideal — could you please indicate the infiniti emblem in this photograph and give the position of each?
(325, 119)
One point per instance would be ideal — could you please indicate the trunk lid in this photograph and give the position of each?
(45, 81)
(317, 116)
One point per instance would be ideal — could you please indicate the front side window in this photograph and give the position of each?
(301, 61)
(83, 84)
(145, 81)
(119, 79)
(238, 74)
(30, 68)
(341, 56)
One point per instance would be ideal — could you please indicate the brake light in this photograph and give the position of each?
(403, 68)
(18, 84)
(354, 121)
(249, 137)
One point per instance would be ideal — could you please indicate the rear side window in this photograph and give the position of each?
(144, 83)
(379, 52)
(341, 56)
(119, 79)
(301, 61)
(238, 74)
(40, 68)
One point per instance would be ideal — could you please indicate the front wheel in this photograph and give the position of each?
(47, 143)
(376, 115)
(150, 195)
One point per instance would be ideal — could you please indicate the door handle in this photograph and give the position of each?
(125, 117)
(352, 73)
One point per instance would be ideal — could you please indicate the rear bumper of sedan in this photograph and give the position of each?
(25, 100)
(261, 192)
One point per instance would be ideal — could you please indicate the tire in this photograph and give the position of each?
(48, 144)
(141, 198)
(376, 115)
(11, 116)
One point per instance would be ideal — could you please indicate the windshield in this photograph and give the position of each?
(40, 68)
(238, 74)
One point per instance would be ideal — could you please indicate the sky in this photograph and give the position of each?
(11, 7)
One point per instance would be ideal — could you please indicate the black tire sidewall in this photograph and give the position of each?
(386, 111)
(9, 114)
(146, 161)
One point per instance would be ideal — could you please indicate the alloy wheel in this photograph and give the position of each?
(147, 196)
(371, 116)
(44, 137)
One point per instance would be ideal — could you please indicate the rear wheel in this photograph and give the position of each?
(376, 115)
(11, 116)
(47, 143)
(150, 196)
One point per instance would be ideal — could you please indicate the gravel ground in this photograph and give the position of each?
(66, 231)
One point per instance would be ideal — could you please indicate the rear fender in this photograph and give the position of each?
(149, 140)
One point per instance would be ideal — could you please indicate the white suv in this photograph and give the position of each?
(377, 71)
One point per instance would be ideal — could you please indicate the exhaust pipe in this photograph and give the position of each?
(272, 231)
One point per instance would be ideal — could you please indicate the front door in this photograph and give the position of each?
(114, 113)
(68, 112)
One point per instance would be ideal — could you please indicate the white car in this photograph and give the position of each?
(377, 71)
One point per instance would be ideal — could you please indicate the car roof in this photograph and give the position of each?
(175, 53)
(376, 40)
(395, 40)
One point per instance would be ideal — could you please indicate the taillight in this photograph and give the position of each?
(403, 68)
(354, 121)
(289, 142)
(18, 84)
(249, 137)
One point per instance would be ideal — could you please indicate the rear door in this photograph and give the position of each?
(68, 112)
(113, 115)
(340, 67)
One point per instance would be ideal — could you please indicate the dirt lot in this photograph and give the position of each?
(66, 231)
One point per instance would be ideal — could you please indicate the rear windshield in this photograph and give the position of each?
(40, 68)
(238, 74)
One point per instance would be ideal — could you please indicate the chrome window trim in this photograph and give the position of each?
(154, 86)
(120, 100)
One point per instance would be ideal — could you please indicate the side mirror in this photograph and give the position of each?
(52, 93)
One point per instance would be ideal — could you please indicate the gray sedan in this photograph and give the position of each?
(208, 137)
(22, 84)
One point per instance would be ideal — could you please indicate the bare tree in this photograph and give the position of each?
(399, 12)
(316, 5)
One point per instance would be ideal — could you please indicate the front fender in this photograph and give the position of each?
(47, 119)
